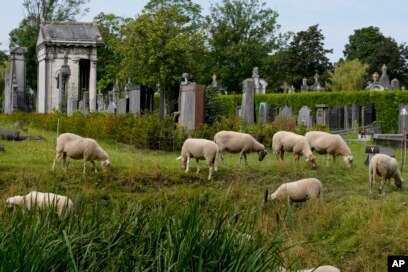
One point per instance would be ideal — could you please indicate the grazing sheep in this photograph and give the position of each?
(78, 148)
(62, 204)
(288, 141)
(387, 168)
(297, 191)
(200, 149)
(238, 142)
(330, 144)
(322, 268)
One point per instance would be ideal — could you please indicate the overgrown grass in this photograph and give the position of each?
(147, 214)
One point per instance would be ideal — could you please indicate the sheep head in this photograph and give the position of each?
(105, 165)
(348, 160)
(13, 201)
(262, 154)
(183, 160)
(312, 160)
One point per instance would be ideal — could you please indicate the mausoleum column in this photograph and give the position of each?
(92, 86)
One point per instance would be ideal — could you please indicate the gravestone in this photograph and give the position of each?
(384, 80)
(317, 86)
(273, 112)
(286, 111)
(83, 104)
(123, 106)
(263, 113)
(336, 118)
(140, 98)
(112, 102)
(403, 118)
(367, 114)
(285, 87)
(72, 106)
(395, 84)
(322, 114)
(304, 88)
(191, 105)
(248, 101)
(100, 102)
(305, 117)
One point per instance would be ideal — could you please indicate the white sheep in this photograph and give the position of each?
(297, 191)
(288, 141)
(385, 167)
(330, 144)
(322, 268)
(78, 148)
(200, 149)
(238, 142)
(62, 204)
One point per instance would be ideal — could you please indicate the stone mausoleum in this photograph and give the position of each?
(67, 58)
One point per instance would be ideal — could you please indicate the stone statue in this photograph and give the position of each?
(376, 76)
(255, 73)
(214, 82)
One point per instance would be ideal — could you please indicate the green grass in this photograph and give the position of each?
(147, 214)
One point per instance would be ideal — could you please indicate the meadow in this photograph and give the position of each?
(146, 214)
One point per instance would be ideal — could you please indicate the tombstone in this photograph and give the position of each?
(273, 112)
(263, 85)
(304, 88)
(72, 106)
(100, 102)
(322, 114)
(263, 113)
(336, 118)
(305, 117)
(286, 111)
(122, 106)
(367, 114)
(317, 86)
(140, 98)
(395, 84)
(285, 87)
(384, 80)
(403, 118)
(248, 101)
(112, 102)
(191, 105)
(86, 102)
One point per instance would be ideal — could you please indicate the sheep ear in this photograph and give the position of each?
(179, 158)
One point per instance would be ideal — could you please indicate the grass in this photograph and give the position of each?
(147, 214)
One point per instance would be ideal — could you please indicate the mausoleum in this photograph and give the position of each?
(67, 57)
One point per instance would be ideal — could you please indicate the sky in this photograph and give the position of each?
(337, 19)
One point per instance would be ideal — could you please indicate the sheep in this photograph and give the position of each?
(297, 191)
(288, 141)
(200, 149)
(62, 204)
(387, 168)
(238, 142)
(77, 148)
(322, 268)
(330, 144)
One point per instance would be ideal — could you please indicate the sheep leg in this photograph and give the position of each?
(198, 166)
(84, 171)
(222, 156)
(210, 171)
(64, 161)
(93, 163)
(57, 157)
(296, 159)
(187, 164)
(245, 157)
(383, 181)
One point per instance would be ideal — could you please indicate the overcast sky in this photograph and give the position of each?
(337, 19)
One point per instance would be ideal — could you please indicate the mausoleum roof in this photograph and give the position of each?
(85, 33)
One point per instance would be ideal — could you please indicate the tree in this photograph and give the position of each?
(370, 46)
(242, 34)
(306, 56)
(109, 55)
(349, 76)
(159, 46)
(27, 33)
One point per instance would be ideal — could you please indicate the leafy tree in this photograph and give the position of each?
(27, 33)
(242, 34)
(370, 46)
(306, 56)
(109, 56)
(159, 46)
(349, 76)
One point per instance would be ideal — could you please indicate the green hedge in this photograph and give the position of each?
(386, 103)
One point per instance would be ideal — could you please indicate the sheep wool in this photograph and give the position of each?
(288, 141)
(200, 149)
(42, 201)
(78, 148)
(297, 191)
(330, 144)
(385, 167)
(238, 142)
(322, 268)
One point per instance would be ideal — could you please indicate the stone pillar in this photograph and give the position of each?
(248, 101)
(191, 105)
(92, 86)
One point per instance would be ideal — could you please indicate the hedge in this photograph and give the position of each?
(386, 103)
